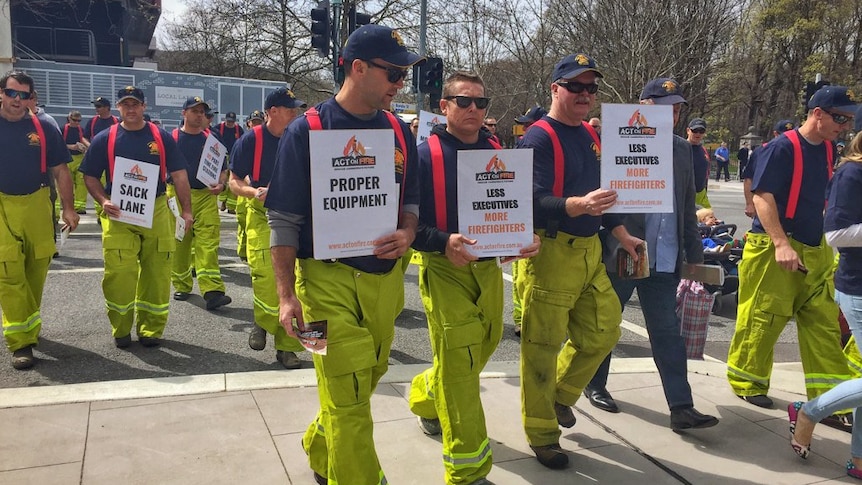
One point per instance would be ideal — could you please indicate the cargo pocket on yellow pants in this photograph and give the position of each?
(11, 262)
(463, 342)
(166, 246)
(118, 249)
(598, 328)
(347, 367)
(767, 309)
(546, 316)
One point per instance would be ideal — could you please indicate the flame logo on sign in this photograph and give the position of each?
(354, 148)
(495, 165)
(136, 170)
(638, 119)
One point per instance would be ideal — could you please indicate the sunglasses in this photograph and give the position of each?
(465, 101)
(838, 118)
(699, 131)
(575, 87)
(25, 95)
(393, 74)
(490, 124)
(76, 119)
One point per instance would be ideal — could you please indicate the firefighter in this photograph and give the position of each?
(30, 149)
(249, 179)
(137, 281)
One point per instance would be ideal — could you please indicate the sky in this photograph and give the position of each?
(171, 9)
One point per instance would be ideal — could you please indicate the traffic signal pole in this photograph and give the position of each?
(423, 29)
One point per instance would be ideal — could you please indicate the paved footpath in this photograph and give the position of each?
(246, 428)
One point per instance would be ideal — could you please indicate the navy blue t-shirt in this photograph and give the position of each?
(242, 157)
(96, 125)
(428, 237)
(73, 135)
(21, 155)
(136, 145)
(701, 167)
(774, 173)
(844, 210)
(229, 136)
(290, 188)
(192, 147)
(581, 175)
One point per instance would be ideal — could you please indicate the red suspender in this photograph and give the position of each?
(176, 134)
(313, 118)
(236, 132)
(558, 156)
(796, 182)
(43, 144)
(592, 132)
(157, 137)
(439, 179)
(66, 132)
(221, 129)
(258, 152)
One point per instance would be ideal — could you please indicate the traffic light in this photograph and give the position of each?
(321, 28)
(356, 19)
(428, 78)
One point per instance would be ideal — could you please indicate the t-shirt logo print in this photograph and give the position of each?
(154, 148)
(33, 139)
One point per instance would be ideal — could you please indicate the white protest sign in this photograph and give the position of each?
(637, 156)
(427, 120)
(495, 200)
(212, 162)
(354, 197)
(133, 190)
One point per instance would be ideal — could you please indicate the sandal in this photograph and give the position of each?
(801, 450)
(852, 471)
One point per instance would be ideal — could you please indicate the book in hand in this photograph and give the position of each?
(628, 268)
(312, 335)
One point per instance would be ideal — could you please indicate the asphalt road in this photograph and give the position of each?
(76, 344)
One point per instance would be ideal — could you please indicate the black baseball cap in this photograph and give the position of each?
(256, 115)
(838, 98)
(193, 101)
(574, 65)
(784, 125)
(230, 116)
(283, 97)
(697, 123)
(100, 101)
(663, 90)
(130, 92)
(373, 41)
(532, 115)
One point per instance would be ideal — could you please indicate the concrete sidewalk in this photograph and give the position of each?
(246, 428)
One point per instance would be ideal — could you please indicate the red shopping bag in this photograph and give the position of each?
(693, 307)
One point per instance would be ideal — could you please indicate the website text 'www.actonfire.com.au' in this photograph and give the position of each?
(487, 247)
(639, 202)
(351, 245)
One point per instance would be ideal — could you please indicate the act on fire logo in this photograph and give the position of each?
(495, 170)
(135, 174)
(354, 155)
(638, 126)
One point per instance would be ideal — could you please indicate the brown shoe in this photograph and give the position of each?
(565, 415)
(23, 358)
(288, 359)
(552, 456)
(257, 338)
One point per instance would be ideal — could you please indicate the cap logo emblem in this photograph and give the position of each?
(397, 37)
(582, 60)
(290, 93)
(669, 86)
(197, 99)
(130, 89)
(851, 95)
(788, 126)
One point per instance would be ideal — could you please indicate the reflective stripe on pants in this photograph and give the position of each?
(769, 297)
(26, 248)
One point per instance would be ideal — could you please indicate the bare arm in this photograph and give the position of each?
(184, 196)
(767, 212)
(289, 307)
(749, 197)
(63, 177)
